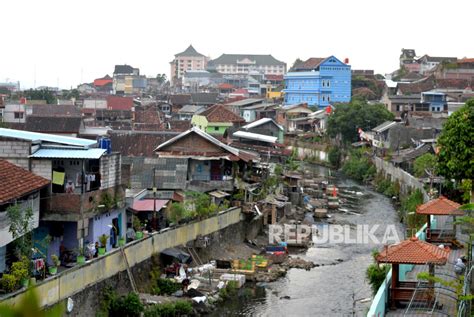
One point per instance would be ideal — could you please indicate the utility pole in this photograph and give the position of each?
(155, 226)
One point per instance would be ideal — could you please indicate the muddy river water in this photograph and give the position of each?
(337, 288)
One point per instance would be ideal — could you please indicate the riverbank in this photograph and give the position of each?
(330, 288)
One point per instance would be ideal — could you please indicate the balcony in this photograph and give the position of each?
(76, 206)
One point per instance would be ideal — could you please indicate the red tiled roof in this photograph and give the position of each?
(274, 77)
(241, 91)
(419, 86)
(466, 60)
(414, 251)
(225, 86)
(220, 113)
(310, 63)
(16, 182)
(439, 206)
(147, 205)
(102, 82)
(119, 103)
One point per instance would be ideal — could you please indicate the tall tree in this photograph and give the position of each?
(456, 142)
(348, 117)
(297, 61)
(161, 78)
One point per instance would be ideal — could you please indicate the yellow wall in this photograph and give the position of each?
(72, 281)
(199, 121)
(274, 94)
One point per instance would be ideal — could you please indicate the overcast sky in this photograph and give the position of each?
(72, 41)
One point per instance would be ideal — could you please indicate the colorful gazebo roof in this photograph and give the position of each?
(414, 251)
(441, 206)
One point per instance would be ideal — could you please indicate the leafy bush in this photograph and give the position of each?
(55, 260)
(112, 305)
(129, 306)
(375, 275)
(21, 269)
(409, 204)
(8, 282)
(164, 286)
(183, 307)
(161, 310)
(103, 240)
(359, 166)
(177, 212)
(230, 290)
(425, 162)
(334, 156)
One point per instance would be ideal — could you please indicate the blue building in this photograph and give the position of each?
(436, 100)
(318, 82)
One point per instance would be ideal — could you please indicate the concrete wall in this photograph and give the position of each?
(15, 152)
(407, 181)
(95, 104)
(75, 280)
(110, 170)
(42, 168)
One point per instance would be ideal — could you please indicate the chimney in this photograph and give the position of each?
(346, 60)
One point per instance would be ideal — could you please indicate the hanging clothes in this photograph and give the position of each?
(58, 178)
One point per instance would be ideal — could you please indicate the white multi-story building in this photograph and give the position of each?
(245, 64)
(189, 60)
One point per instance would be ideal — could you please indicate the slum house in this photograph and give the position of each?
(59, 125)
(194, 160)
(204, 98)
(188, 111)
(138, 156)
(266, 146)
(147, 118)
(83, 201)
(289, 115)
(258, 111)
(149, 210)
(178, 101)
(20, 187)
(116, 119)
(395, 136)
(216, 120)
(265, 126)
(238, 106)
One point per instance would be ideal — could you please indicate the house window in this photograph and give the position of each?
(216, 128)
(18, 115)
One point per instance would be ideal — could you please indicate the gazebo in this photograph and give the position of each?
(440, 207)
(416, 252)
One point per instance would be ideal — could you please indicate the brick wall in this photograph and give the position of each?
(67, 207)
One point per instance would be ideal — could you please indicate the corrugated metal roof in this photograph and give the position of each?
(260, 122)
(255, 136)
(384, 126)
(245, 102)
(147, 204)
(35, 136)
(69, 154)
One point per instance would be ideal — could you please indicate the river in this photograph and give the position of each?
(327, 290)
